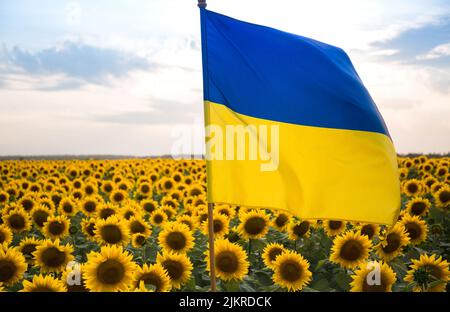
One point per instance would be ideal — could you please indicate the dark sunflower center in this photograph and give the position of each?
(90, 206)
(412, 187)
(140, 240)
(418, 208)
(56, 228)
(118, 197)
(174, 269)
(90, 229)
(274, 253)
(281, 220)
(67, 207)
(111, 234)
(145, 189)
(89, 190)
(28, 249)
(42, 289)
(335, 225)
(254, 225)
(290, 271)
(176, 240)
(203, 217)
(351, 250)
(158, 219)
(108, 188)
(382, 287)
(27, 204)
(217, 226)
(444, 197)
(16, 221)
(149, 207)
(137, 227)
(368, 230)
(40, 217)
(413, 229)
(2, 198)
(301, 229)
(106, 213)
(195, 192)
(227, 262)
(53, 257)
(7, 270)
(2, 237)
(393, 243)
(150, 279)
(168, 185)
(110, 272)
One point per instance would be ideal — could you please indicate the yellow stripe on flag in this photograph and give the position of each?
(323, 173)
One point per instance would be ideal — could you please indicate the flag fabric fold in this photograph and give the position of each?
(334, 155)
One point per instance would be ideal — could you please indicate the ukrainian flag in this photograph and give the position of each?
(336, 159)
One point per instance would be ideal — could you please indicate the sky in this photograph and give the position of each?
(124, 77)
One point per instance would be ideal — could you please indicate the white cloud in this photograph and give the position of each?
(437, 52)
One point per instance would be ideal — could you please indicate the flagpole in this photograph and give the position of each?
(212, 266)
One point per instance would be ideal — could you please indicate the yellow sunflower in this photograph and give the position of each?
(226, 210)
(158, 217)
(291, 271)
(6, 236)
(112, 231)
(392, 242)
(374, 276)
(220, 226)
(137, 224)
(368, 229)
(41, 283)
(271, 252)
(39, 215)
(154, 276)
(88, 227)
(334, 227)
(138, 240)
(89, 205)
(442, 197)
(169, 211)
(416, 228)
(230, 260)
(188, 220)
(27, 203)
(104, 211)
(17, 220)
(281, 221)
(299, 229)
(176, 237)
(4, 197)
(350, 249)
(27, 246)
(418, 206)
(178, 267)
(68, 207)
(51, 256)
(56, 227)
(149, 205)
(109, 270)
(12, 266)
(253, 224)
(429, 273)
(108, 187)
(413, 187)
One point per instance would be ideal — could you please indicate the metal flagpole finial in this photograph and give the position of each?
(201, 4)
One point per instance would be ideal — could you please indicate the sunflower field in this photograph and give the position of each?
(141, 225)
